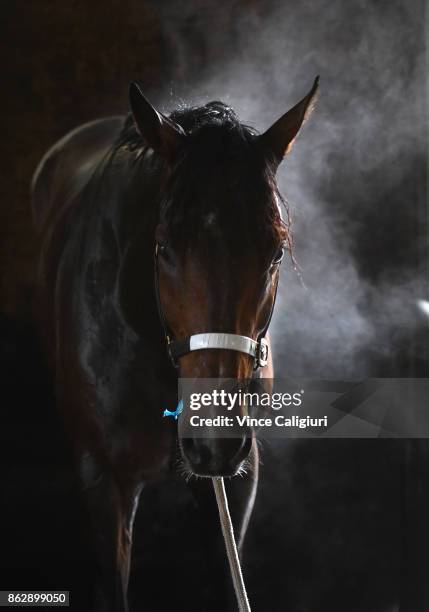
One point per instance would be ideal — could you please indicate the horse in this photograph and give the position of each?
(156, 230)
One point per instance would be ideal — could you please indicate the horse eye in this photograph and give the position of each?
(164, 251)
(278, 256)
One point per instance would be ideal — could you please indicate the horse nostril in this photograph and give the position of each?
(191, 451)
(198, 454)
(244, 450)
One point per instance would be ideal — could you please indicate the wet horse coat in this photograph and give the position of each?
(103, 196)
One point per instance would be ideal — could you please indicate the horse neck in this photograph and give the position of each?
(135, 212)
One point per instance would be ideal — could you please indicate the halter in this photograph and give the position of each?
(257, 349)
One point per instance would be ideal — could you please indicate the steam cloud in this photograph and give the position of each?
(355, 183)
(363, 146)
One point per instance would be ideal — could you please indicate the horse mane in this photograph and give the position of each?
(222, 143)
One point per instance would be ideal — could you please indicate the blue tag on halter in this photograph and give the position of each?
(176, 412)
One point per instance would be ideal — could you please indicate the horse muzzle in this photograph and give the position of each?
(213, 457)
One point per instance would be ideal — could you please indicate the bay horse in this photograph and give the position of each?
(196, 193)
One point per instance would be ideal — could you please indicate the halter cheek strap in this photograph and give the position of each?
(257, 349)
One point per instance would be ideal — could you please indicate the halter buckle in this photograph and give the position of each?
(169, 342)
(262, 354)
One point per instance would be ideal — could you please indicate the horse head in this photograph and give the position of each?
(220, 239)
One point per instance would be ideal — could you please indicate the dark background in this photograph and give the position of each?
(338, 525)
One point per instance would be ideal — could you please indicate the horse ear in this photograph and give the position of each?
(161, 133)
(278, 139)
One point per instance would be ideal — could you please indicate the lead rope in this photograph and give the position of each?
(230, 544)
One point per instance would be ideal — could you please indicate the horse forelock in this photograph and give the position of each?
(221, 178)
